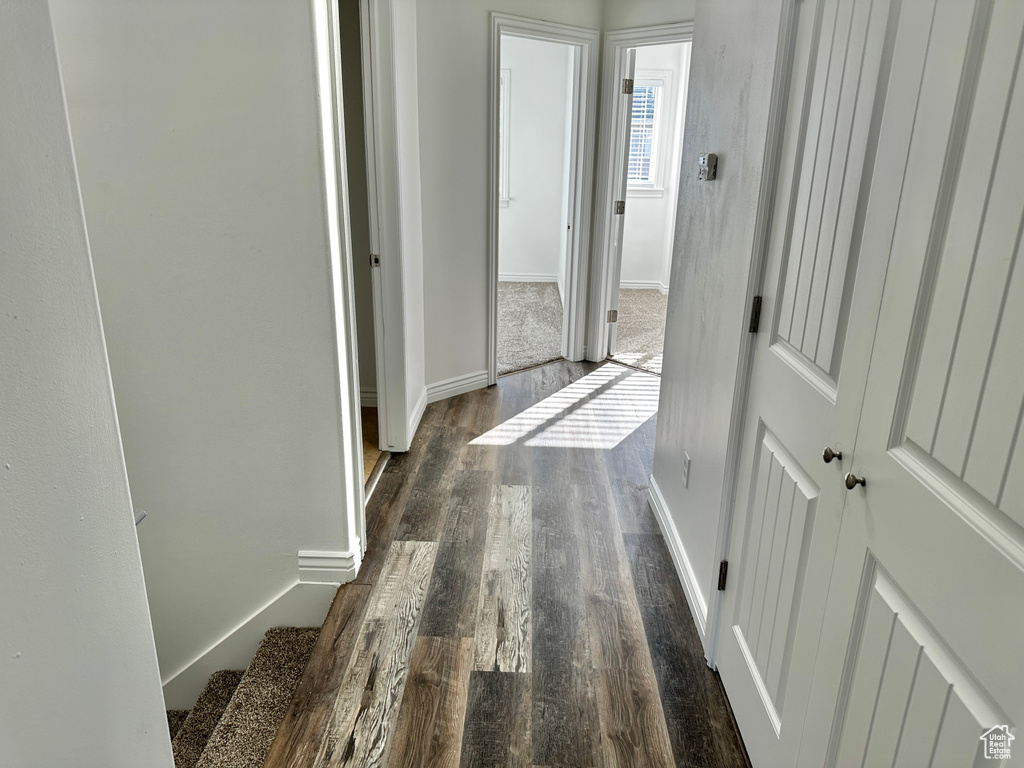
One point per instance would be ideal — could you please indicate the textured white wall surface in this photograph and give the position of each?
(648, 231)
(733, 57)
(531, 230)
(79, 684)
(197, 135)
(624, 14)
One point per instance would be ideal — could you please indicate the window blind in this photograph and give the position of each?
(641, 139)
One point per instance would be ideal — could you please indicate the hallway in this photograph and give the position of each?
(517, 605)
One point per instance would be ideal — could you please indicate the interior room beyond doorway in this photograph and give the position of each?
(535, 136)
(652, 186)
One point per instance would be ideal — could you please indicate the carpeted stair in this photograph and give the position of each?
(237, 715)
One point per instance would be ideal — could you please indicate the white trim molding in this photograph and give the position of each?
(526, 277)
(317, 567)
(645, 285)
(368, 397)
(457, 385)
(585, 44)
(694, 597)
(610, 174)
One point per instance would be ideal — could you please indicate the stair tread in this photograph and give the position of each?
(248, 725)
(189, 743)
(175, 719)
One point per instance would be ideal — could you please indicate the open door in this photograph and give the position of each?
(621, 175)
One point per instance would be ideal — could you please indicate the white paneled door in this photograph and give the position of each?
(922, 651)
(876, 617)
(820, 301)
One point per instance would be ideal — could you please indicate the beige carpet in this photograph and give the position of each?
(640, 338)
(245, 731)
(529, 325)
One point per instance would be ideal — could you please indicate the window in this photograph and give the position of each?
(641, 140)
(503, 122)
(651, 91)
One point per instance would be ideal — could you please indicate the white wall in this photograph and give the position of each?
(77, 663)
(734, 49)
(624, 14)
(197, 133)
(453, 40)
(531, 230)
(650, 213)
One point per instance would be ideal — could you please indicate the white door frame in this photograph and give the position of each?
(585, 44)
(611, 170)
(328, 62)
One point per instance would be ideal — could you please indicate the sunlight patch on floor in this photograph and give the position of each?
(597, 412)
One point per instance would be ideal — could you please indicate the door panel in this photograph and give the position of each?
(909, 696)
(849, 57)
(787, 524)
(935, 533)
(778, 533)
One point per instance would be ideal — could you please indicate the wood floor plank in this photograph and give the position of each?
(700, 721)
(633, 729)
(300, 733)
(633, 726)
(454, 596)
(503, 634)
(383, 516)
(425, 511)
(616, 628)
(429, 730)
(364, 714)
(497, 729)
(565, 727)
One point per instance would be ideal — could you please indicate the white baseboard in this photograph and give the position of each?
(456, 385)
(317, 567)
(301, 605)
(650, 285)
(368, 397)
(698, 605)
(526, 277)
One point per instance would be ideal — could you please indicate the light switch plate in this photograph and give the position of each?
(707, 166)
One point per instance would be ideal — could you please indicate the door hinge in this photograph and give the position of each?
(374, 260)
(723, 572)
(755, 314)
(627, 85)
(613, 315)
(620, 207)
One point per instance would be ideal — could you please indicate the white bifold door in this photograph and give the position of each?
(877, 614)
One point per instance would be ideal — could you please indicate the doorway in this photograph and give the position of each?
(654, 149)
(535, 187)
(646, 71)
(543, 92)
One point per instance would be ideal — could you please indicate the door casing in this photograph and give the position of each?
(585, 72)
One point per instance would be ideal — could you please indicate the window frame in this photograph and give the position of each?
(654, 186)
(504, 108)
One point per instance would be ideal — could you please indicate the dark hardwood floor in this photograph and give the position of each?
(517, 605)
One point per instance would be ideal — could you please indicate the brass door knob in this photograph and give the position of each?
(829, 454)
(852, 481)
